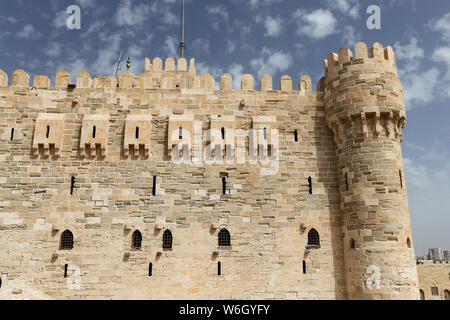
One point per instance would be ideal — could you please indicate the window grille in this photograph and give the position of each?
(66, 240)
(224, 238)
(313, 238)
(136, 241)
(167, 239)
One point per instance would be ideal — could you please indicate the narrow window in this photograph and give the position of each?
(296, 136)
(422, 295)
(313, 238)
(137, 132)
(66, 266)
(219, 268)
(434, 291)
(180, 133)
(0, 282)
(401, 178)
(223, 133)
(304, 267)
(167, 239)
(265, 133)
(66, 240)
(136, 240)
(408, 243)
(48, 132)
(224, 185)
(224, 238)
(352, 244)
(154, 186)
(310, 185)
(94, 132)
(12, 134)
(150, 269)
(346, 181)
(72, 185)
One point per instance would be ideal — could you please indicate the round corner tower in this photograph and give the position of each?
(364, 108)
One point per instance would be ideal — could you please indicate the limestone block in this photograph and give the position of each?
(266, 83)
(305, 83)
(62, 79)
(148, 65)
(247, 82)
(41, 82)
(94, 135)
(207, 82)
(20, 79)
(110, 82)
(222, 133)
(138, 133)
(3, 79)
(157, 65)
(377, 51)
(126, 80)
(84, 80)
(262, 130)
(192, 66)
(145, 81)
(286, 83)
(345, 55)
(99, 82)
(170, 64)
(182, 64)
(361, 51)
(226, 82)
(48, 134)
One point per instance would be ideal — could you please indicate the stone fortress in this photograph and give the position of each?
(93, 205)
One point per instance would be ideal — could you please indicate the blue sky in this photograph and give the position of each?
(262, 36)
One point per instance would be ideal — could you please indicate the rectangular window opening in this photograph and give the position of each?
(66, 266)
(12, 134)
(219, 268)
(154, 186)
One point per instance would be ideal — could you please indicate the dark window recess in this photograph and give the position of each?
(0, 282)
(48, 132)
(154, 186)
(150, 269)
(304, 267)
(401, 178)
(313, 238)
(265, 133)
(434, 291)
(422, 295)
(66, 240)
(72, 185)
(224, 185)
(94, 132)
(137, 132)
(12, 134)
(136, 240)
(219, 268)
(296, 136)
(167, 239)
(180, 133)
(408, 243)
(310, 185)
(66, 266)
(346, 181)
(352, 244)
(223, 133)
(224, 238)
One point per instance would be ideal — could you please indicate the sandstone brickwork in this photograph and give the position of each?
(111, 172)
(434, 274)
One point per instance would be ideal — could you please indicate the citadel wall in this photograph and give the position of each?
(434, 274)
(72, 160)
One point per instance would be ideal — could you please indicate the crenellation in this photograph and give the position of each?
(118, 155)
(20, 79)
(41, 82)
(3, 79)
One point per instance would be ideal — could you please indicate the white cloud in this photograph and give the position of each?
(273, 26)
(419, 88)
(201, 46)
(410, 51)
(28, 32)
(316, 24)
(350, 36)
(231, 46)
(271, 62)
(236, 71)
(218, 17)
(128, 14)
(171, 46)
(86, 3)
(256, 3)
(443, 25)
(53, 49)
(348, 7)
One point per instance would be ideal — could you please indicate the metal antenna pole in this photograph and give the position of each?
(118, 63)
(182, 30)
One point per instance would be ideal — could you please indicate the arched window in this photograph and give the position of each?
(72, 185)
(352, 244)
(150, 269)
(224, 185)
(48, 132)
(313, 238)
(136, 240)
(66, 240)
(446, 295)
(167, 239)
(137, 133)
(94, 132)
(422, 295)
(223, 133)
(408, 242)
(224, 238)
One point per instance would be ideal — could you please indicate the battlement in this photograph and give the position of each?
(156, 76)
(376, 55)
